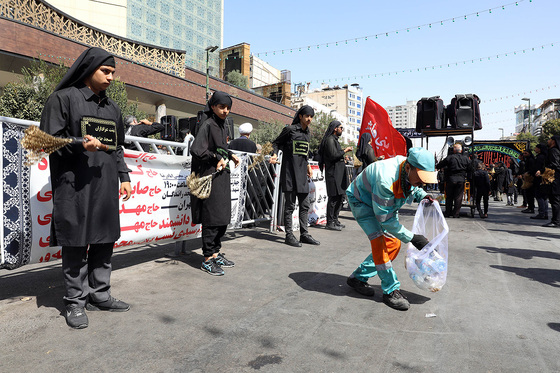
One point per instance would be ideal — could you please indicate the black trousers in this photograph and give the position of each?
(334, 205)
(484, 197)
(454, 197)
(87, 273)
(212, 239)
(303, 200)
(555, 204)
(530, 197)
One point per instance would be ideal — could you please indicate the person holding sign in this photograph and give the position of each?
(85, 181)
(294, 143)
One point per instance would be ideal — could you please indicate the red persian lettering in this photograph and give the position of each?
(44, 221)
(43, 164)
(47, 197)
(44, 243)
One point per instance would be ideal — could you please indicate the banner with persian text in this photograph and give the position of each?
(158, 211)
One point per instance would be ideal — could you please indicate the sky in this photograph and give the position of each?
(461, 52)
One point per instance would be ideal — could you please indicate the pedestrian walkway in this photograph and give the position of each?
(287, 309)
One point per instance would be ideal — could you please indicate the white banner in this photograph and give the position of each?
(317, 200)
(158, 211)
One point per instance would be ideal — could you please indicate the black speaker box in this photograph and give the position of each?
(170, 131)
(430, 114)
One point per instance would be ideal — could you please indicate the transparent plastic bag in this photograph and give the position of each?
(428, 267)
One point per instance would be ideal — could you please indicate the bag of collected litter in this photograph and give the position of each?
(428, 267)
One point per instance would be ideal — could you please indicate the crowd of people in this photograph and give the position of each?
(85, 178)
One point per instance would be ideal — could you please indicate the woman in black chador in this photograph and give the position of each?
(365, 151)
(210, 155)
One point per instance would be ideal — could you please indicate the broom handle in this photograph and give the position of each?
(81, 140)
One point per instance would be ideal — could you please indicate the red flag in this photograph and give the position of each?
(387, 141)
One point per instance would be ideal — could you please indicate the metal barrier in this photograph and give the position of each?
(261, 199)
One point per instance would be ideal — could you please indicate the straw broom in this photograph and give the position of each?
(201, 187)
(40, 144)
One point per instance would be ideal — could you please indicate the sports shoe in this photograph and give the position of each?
(396, 300)
(111, 304)
(306, 238)
(339, 224)
(360, 286)
(528, 211)
(76, 316)
(212, 267)
(551, 225)
(292, 240)
(539, 217)
(223, 262)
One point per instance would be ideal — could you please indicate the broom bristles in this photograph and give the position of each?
(40, 144)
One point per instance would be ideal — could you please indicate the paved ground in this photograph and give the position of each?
(284, 309)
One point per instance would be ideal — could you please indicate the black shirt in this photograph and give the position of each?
(294, 143)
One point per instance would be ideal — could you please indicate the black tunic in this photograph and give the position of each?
(208, 147)
(335, 168)
(85, 184)
(294, 143)
(553, 162)
(456, 167)
(243, 144)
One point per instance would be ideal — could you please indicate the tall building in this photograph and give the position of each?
(346, 100)
(348, 134)
(403, 116)
(262, 78)
(524, 117)
(186, 25)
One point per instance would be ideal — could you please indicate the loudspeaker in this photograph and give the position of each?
(185, 127)
(170, 131)
(430, 114)
(464, 112)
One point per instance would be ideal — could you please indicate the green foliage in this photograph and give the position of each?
(19, 100)
(533, 140)
(117, 92)
(26, 98)
(266, 132)
(549, 129)
(317, 129)
(236, 78)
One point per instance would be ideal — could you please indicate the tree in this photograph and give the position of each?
(117, 92)
(26, 98)
(236, 78)
(549, 129)
(266, 132)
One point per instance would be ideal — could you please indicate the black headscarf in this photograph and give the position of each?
(543, 148)
(218, 98)
(330, 130)
(556, 141)
(363, 145)
(304, 110)
(85, 65)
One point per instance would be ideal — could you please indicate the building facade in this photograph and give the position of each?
(403, 116)
(548, 110)
(187, 25)
(347, 101)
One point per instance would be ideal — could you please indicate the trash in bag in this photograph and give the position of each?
(428, 267)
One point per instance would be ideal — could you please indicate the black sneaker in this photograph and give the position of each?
(111, 304)
(223, 262)
(76, 316)
(528, 211)
(339, 224)
(212, 267)
(306, 238)
(360, 286)
(292, 240)
(396, 300)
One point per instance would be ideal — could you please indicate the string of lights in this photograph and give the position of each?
(433, 67)
(394, 32)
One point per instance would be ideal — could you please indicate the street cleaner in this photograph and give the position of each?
(375, 198)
